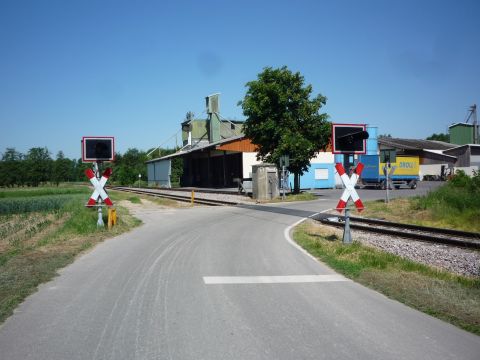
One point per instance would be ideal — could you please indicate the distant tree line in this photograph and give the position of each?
(37, 167)
(439, 137)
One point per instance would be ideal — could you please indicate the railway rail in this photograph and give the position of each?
(168, 195)
(423, 233)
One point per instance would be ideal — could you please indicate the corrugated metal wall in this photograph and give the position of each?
(461, 134)
(159, 173)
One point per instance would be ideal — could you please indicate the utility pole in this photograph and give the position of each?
(473, 109)
(473, 114)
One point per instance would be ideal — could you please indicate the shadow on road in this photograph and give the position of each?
(279, 210)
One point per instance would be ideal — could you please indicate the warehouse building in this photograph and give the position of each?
(434, 162)
(467, 158)
(215, 152)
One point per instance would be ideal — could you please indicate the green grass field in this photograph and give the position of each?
(42, 230)
(452, 298)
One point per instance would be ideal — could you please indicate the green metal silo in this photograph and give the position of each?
(461, 133)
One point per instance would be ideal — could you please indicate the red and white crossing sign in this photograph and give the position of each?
(98, 186)
(349, 191)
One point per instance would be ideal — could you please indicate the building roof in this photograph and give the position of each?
(414, 144)
(460, 147)
(460, 124)
(185, 151)
(440, 154)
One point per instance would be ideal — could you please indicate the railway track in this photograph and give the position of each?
(422, 233)
(169, 195)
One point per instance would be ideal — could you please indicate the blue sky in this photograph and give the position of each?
(132, 69)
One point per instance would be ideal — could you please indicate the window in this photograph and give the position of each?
(321, 174)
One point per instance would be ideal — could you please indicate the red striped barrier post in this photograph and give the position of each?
(348, 193)
(99, 192)
(98, 185)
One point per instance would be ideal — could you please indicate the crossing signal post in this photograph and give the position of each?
(284, 163)
(349, 140)
(97, 149)
(388, 156)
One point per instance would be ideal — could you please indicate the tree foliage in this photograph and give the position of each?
(439, 137)
(39, 166)
(283, 119)
(128, 166)
(63, 169)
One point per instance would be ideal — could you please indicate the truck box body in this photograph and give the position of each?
(406, 172)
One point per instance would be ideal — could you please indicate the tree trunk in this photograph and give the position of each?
(296, 183)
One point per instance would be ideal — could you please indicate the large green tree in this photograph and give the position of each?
(63, 169)
(39, 166)
(12, 170)
(283, 119)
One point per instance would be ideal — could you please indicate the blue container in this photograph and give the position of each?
(372, 141)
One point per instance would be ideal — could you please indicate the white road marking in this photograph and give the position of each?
(225, 280)
(286, 233)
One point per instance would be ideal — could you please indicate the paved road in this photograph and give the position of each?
(143, 295)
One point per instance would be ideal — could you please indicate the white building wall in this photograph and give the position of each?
(431, 169)
(249, 159)
(468, 170)
(475, 160)
(323, 158)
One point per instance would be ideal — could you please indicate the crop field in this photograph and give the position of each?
(42, 230)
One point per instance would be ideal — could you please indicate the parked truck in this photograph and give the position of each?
(406, 172)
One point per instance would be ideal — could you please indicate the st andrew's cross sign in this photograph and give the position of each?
(349, 191)
(98, 185)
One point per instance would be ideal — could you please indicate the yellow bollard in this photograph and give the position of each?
(193, 196)
(112, 217)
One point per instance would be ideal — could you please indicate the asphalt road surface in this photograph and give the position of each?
(220, 283)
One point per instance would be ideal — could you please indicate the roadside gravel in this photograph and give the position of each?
(457, 260)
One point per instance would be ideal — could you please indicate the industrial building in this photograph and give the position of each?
(467, 157)
(461, 133)
(433, 160)
(215, 152)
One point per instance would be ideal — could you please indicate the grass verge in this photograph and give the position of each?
(34, 245)
(454, 205)
(303, 196)
(409, 211)
(452, 298)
